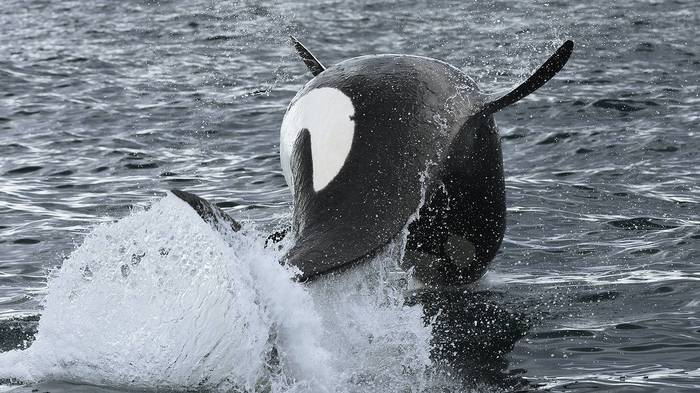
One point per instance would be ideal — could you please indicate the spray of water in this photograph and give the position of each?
(160, 300)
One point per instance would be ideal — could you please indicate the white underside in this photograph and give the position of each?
(327, 113)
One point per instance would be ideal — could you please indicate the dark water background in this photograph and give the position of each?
(103, 105)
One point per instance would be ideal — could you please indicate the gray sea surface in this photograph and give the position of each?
(104, 105)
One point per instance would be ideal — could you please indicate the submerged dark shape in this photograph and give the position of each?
(473, 334)
(379, 143)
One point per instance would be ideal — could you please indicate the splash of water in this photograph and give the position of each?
(160, 300)
(378, 340)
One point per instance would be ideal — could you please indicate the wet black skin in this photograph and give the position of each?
(468, 204)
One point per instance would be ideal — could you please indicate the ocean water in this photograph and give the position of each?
(107, 283)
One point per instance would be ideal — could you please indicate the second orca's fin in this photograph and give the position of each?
(309, 59)
(208, 211)
(543, 74)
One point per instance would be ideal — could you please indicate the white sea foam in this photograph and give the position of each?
(160, 300)
(380, 344)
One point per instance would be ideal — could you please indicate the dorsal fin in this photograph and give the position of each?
(310, 60)
(534, 82)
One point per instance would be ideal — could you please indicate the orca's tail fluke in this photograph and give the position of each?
(209, 212)
(309, 59)
(543, 74)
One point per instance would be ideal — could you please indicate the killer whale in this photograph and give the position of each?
(377, 144)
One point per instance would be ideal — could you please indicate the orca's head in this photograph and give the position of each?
(366, 143)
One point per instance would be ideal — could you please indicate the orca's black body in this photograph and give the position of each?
(376, 144)
(408, 113)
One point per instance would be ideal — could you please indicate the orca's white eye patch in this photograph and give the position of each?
(327, 113)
